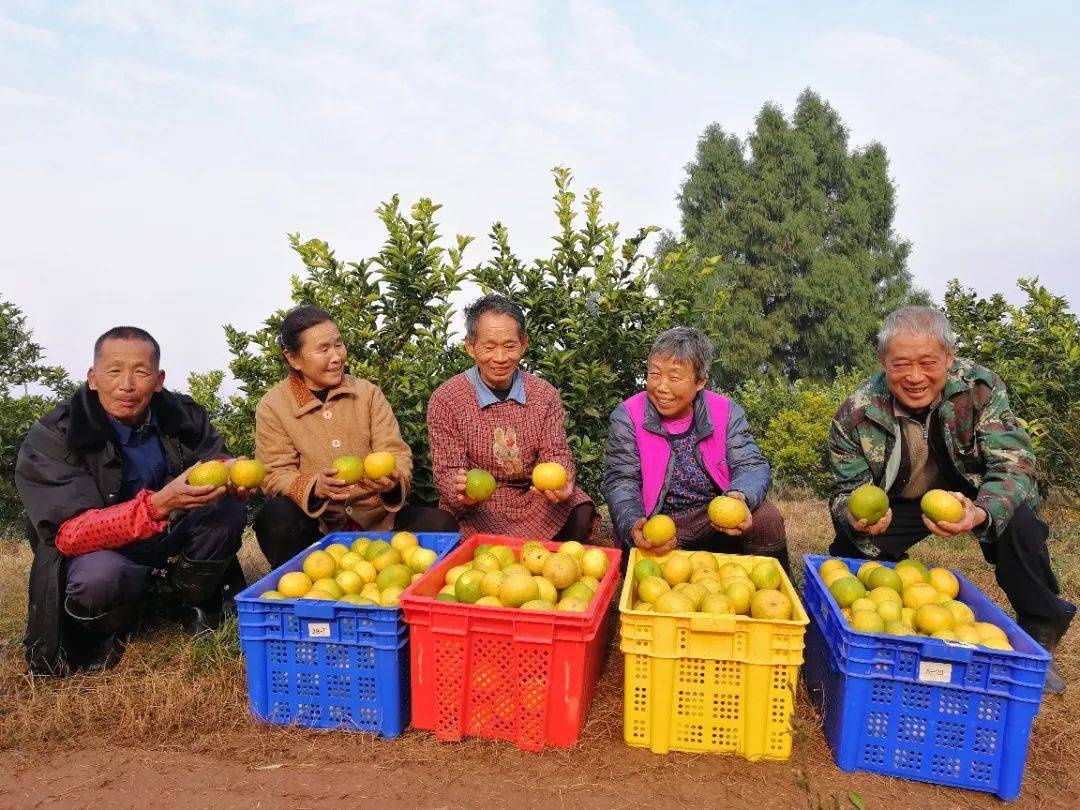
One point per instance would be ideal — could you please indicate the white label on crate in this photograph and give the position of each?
(318, 630)
(935, 672)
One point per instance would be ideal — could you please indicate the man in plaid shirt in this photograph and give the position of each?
(498, 418)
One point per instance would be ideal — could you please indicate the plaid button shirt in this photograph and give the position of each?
(507, 439)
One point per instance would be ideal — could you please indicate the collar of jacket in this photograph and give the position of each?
(303, 400)
(703, 425)
(89, 427)
(960, 377)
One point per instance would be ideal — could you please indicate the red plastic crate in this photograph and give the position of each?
(504, 673)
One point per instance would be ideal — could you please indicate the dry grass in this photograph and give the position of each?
(172, 694)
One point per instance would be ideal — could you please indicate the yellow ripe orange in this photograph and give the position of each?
(549, 476)
(726, 512)
(658, 530)
(945, 581)
(379, 464)
(941, 506)
(919, 594)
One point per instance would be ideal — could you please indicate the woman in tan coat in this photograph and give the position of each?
(316, 415)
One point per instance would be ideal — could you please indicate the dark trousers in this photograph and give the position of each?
(283, 529)
(1020, 558)
(103, 580)
(579, 524)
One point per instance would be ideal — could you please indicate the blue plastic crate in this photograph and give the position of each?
(926, 709)
(328, 664)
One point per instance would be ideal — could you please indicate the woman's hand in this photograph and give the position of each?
(746, 525)
(330, 488)
(370, 486)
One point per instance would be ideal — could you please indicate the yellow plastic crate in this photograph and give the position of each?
(707, 683)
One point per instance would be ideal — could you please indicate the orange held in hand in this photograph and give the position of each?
(212, 473)
(549, 475)
(379, 464)
(349, 469)
(659, 530)
(246, 473)
(726, 512)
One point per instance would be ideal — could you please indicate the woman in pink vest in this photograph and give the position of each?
(675, 446)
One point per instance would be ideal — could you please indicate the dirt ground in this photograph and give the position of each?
(169, 728)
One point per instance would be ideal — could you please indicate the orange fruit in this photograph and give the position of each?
(658, 530)
(726, 512)
(549, 476)
(939, 506)
(869, 503)
(209, 473)
(379, 464)
(349, 469)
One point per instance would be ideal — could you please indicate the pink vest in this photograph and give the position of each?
(655, 452)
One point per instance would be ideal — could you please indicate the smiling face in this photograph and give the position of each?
(497, 348)
(915, 369)
(126, 377)
(321, 357)
(671, 386)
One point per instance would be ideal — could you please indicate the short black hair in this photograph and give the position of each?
(496, 304)
(296, 321)
(129, 333)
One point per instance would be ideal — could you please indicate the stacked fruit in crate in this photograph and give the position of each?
(533, 577)
(367, 572)
(906, 600)
(700, 583)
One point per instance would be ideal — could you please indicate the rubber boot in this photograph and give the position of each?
(1048, 633)
(102, 637)
(205, 590)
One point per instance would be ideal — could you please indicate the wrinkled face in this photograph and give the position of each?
(915, 369)
(497, 348)
(126, 377)
(321, 358)
(671, 386)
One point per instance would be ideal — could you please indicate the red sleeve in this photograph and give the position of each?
(110, 527)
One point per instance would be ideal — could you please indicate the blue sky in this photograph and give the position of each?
(154, 155)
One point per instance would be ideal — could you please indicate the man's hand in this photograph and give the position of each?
(860, 524)
(973, 516)
(743, 527)
(638, 536)
(371, 486)
(458, 483)
(556, 495)
(329, 487)
(179, 495)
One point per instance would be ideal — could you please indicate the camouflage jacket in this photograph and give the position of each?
(989, 449)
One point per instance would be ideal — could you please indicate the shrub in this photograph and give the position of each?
(21, 367)
(1036, 350)
(590, 310)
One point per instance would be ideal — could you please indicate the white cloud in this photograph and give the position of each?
(19, 33)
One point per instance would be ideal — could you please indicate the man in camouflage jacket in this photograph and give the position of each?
(931, 420)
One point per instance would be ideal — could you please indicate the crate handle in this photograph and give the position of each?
(941, 650)
(713, 624)
(449, 622)
(314, 609)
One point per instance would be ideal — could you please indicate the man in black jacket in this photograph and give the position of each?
(103, 479)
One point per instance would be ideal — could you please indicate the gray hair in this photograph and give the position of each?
(688, 345)
(496, 305)
(917, 321)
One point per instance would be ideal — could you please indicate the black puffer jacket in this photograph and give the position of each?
(70, 463)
